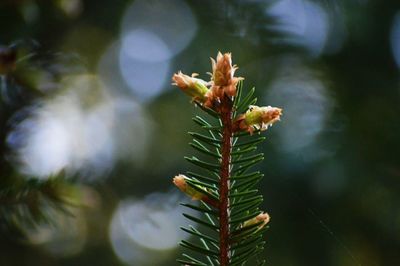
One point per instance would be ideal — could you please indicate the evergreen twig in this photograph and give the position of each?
(230, 205)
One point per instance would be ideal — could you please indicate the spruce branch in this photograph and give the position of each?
(231, 225)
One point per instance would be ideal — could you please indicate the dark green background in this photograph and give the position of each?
(335, 202)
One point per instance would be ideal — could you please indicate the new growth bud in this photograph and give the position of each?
(180, 182)
(222, 68)
(258, 118)
(194, 87)
(223, 80)
(262, 218)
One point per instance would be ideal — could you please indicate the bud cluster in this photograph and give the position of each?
(223, 82)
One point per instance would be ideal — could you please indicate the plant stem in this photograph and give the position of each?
(226, 117)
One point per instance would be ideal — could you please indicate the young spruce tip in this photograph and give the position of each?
(230, 227)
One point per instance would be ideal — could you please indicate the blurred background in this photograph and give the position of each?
(87, 111)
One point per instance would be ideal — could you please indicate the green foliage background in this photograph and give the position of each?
(339, 208)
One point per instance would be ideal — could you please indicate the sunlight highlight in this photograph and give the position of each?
(145, 232)
(84, 130)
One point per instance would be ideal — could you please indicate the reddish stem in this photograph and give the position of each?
(226, 117)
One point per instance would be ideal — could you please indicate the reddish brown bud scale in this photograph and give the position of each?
(223, 79)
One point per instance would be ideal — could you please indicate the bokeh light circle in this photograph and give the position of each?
(172, 21)
(306, 103)
(306, 23)
(140, 229)
(79, 131)
(150, 38)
